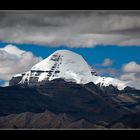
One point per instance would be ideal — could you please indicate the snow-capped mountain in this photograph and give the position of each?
(66, 65)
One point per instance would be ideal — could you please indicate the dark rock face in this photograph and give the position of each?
(127, 121)
(83, 105)
(15, 80)
(17, 100)
(57, 96)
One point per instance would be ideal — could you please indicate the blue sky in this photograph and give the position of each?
(96, 55)
(2, 82)
(119, 55)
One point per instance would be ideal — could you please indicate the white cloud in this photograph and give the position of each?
(106, 62)
(14, 60)
(128, 77)
(131, 67)
(132, 80)
(131, 74)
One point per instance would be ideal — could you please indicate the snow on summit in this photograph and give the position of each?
(69, 66)
(64, 64)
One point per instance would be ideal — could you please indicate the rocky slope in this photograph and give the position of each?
(84, 106)
(43, 121)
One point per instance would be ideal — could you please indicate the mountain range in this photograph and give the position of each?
(62, 91)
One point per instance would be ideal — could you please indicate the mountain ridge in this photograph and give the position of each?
(64, 91)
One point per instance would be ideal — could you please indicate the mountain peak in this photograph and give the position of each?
(64, 51)
(63, 64)
(67, 65)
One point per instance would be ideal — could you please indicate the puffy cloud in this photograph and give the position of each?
(131, 74)
(14, 60)
(106, 62)
(131, 67)
(128, 77)
(71, 28)
(132, 80)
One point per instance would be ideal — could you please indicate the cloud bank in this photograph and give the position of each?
(14, 60)
(71, 28)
